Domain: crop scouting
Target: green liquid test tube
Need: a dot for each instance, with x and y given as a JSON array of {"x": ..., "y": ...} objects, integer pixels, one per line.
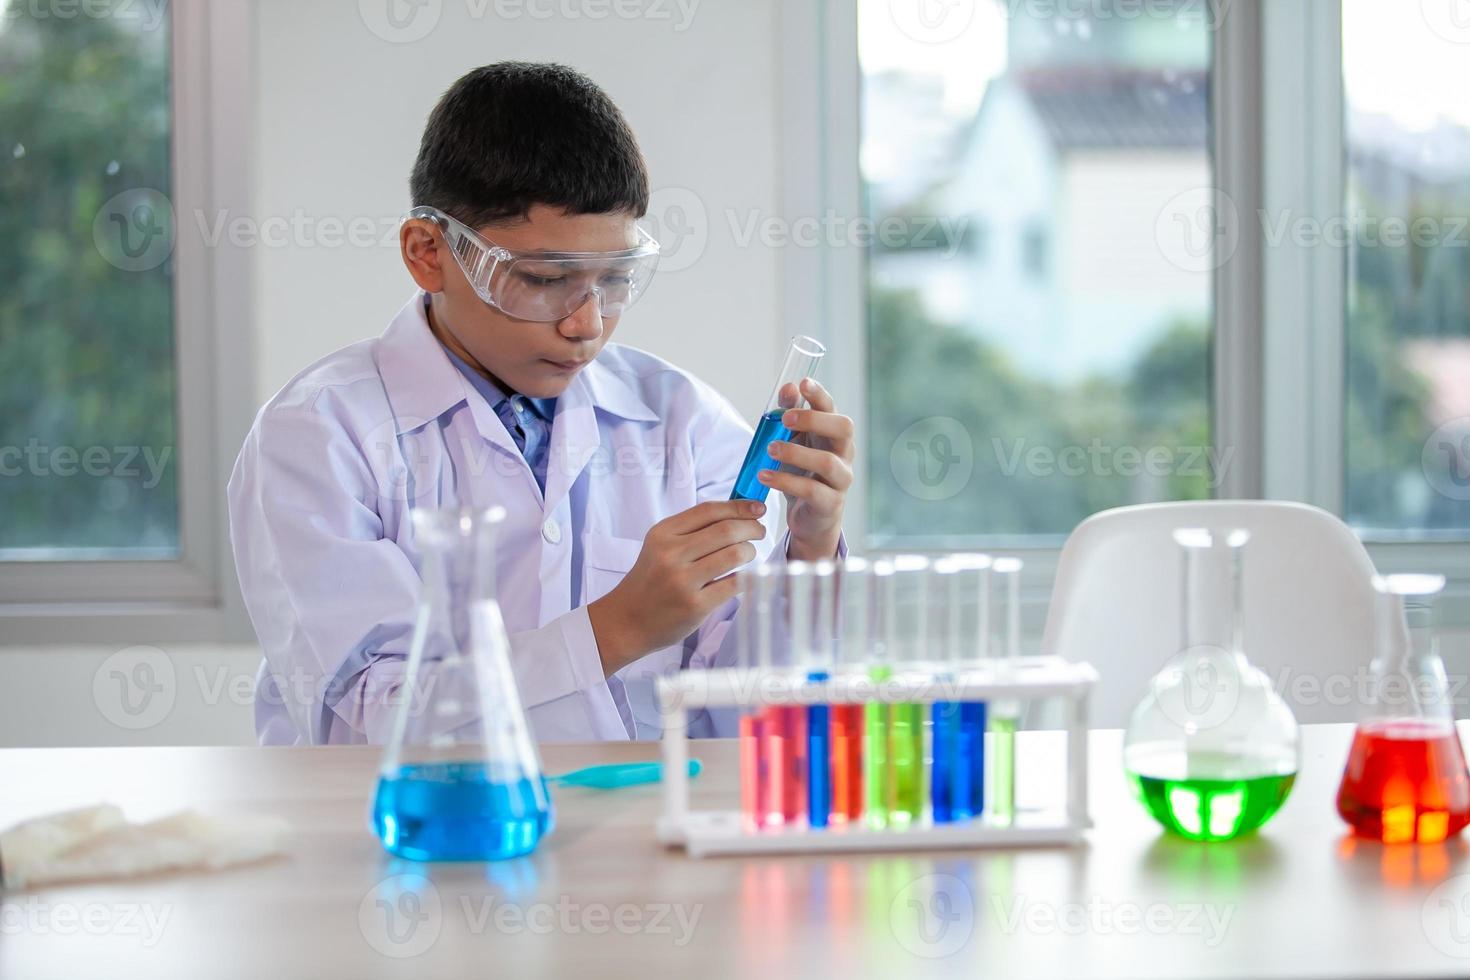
[
  {"x": 907, "y": 764},
  {"x": 906, "y": 631},
  {"x": 875, "y": 755},
  {"x": 1005, "y": 715}
]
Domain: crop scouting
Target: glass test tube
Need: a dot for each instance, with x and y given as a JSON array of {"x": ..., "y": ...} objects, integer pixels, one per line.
[
  {"x": 957, "y": 779},
  {"x": 851, "y": 633},
  {"x": 812, "y": 627},
  {"x": 1005, "y": 715},
  {"x": 876, "y": 714},
  {"x": 908, "y": 635},
  {"x": 785, "y": 724},
  {"x": 754, "y": 623},
  {"x": 802, "y": 358}
]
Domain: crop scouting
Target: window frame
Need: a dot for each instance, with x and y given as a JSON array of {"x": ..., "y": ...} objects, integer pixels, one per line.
[
  {"x": 1273, "y": 338},
  {"x": 194, "y": 596}
]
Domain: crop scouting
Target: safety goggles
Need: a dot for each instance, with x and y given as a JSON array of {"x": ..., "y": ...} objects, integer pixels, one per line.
[{"x": 546, "y": 286}]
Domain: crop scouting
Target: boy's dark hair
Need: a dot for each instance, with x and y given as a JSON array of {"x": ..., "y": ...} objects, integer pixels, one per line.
[{"x": 513, "y": 134}]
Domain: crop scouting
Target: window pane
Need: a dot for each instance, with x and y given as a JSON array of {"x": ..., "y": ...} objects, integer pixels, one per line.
[
  {"x": 87, "y": 465},
  {"x": 1039, "y": 343},
  {"x": 1405, "y": 73}
]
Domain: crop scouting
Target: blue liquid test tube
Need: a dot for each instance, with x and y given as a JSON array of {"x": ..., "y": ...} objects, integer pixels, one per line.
[
  {"x": 802, "y": 358},
  {"x": 811, "y": 627},
  {"x": 958, "y": 778}
]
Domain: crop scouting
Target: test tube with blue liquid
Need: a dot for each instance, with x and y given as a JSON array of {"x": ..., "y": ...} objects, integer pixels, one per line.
[
  {"x": 1005, "y": 715},
  {"x": 957, "y": 781},
  {"x": 811, "y": 624},
  {"x": 802, "y": 358}
]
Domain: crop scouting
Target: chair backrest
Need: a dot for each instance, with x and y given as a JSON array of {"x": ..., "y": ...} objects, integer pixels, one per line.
[{"x": 1307, "y": 599}]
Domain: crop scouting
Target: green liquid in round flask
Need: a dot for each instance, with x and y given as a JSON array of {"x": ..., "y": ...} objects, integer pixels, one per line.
[{"x": 1212, "y": 751}]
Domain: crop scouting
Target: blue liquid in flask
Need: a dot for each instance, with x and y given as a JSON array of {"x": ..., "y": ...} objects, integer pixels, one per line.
[
  {"x": 747, "y": 486},
  {"x": 459, "y": 811}
]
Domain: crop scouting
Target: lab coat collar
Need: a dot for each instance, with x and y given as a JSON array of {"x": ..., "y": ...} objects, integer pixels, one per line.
[{"x": 421, "y": 382}]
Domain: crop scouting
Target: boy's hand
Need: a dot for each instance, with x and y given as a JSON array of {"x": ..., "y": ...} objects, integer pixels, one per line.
[
  {"x": 824, "y": 449},
  {"x": 677, "y": 580}
]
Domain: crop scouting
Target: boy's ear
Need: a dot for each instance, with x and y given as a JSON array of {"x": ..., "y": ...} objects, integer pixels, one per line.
[{"x": 419, "y": 247}]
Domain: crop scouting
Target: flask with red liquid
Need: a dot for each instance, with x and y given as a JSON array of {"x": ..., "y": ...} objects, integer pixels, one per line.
[{"x": 1405, "y": 779}]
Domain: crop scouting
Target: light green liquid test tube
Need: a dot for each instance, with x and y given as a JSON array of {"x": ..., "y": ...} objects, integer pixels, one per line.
[
  {"x": 875, "y": 756},
  {"x": 906, "y": 741},
  {"x": 1005, "y": 715}
]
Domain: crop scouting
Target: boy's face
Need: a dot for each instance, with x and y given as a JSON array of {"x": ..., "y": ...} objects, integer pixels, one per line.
[{"x": 534, "y": 358}]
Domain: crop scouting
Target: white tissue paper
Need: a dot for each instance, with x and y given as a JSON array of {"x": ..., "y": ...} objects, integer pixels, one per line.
[{"x": 97, "y": 842}]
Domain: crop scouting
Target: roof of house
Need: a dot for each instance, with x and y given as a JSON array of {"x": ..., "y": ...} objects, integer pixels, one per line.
[{"x": 1111, "y": 108}]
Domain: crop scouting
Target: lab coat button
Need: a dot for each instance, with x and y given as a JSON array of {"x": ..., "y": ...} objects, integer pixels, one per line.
[{"x": 551, "y": 531}]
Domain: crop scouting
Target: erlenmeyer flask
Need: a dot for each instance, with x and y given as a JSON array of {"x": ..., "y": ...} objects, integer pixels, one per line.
[
  {"x": 1405, "y": 778},
  {"x": 460, "y": 778},
  {"x": 1212, "y": 750}
]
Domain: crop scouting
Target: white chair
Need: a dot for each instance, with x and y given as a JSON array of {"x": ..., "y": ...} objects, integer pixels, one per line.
[{"x": 1307, "y": 598}]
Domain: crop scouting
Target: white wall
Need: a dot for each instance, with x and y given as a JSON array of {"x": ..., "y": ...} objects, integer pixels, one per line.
[
  {"x": 338, "y": 116},
  {"x": 341, "y": 110}
]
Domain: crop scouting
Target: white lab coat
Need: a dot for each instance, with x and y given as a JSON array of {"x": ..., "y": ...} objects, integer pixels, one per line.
[{"x": 319, "y": 507}]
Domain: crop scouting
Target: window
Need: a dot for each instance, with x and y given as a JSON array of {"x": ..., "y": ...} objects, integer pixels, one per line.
[
  {"x": 87, "y": 425},
  {"x": 1407, "y": 386},
  {"x": 125, "y": 381},
  {"x": 1063, "y": 368}
]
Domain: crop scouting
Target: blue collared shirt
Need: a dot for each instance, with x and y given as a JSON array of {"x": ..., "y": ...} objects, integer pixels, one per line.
[{"x": 527, "y": 420}]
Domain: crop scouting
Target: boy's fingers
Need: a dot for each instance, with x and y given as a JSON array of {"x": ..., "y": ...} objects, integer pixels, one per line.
[
  {"x": 703, "y": 515},
  {"x": 829, "y": 425},
  {"x": 815, "y": 492},
  {"x": 724, "y": 561},
  {"x": 818, "y": 397},
  {"x": 829, "y": 466},
  {"x": 709, "y": 540}
]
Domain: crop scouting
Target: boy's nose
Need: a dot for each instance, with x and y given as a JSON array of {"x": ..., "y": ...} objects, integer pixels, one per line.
[{"x": 585, "y": 323}]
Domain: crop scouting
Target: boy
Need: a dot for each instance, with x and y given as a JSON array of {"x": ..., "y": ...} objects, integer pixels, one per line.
[{"x": 498, "y": 389}]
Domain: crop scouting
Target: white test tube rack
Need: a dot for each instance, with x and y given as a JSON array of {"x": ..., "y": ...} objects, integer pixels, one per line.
[{"x": 718, "y": 832}]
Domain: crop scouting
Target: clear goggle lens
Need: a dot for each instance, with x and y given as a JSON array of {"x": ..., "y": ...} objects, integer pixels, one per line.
[{"x": 546, "y": 286}]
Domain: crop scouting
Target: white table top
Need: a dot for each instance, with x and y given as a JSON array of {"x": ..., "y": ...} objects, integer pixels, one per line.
[{"x": 602, "y": 898}]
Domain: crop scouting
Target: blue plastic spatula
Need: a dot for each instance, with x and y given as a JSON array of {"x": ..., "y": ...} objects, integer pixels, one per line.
[{"x": 618, "y": 774}]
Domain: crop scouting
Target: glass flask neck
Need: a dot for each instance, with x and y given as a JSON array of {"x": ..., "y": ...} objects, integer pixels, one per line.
[
  {"x": 1408, "y": 679},
  {"x": 1211, "y": 591}
]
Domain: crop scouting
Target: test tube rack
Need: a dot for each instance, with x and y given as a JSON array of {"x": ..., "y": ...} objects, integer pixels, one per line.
[{"x": 717, "y": 832}]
